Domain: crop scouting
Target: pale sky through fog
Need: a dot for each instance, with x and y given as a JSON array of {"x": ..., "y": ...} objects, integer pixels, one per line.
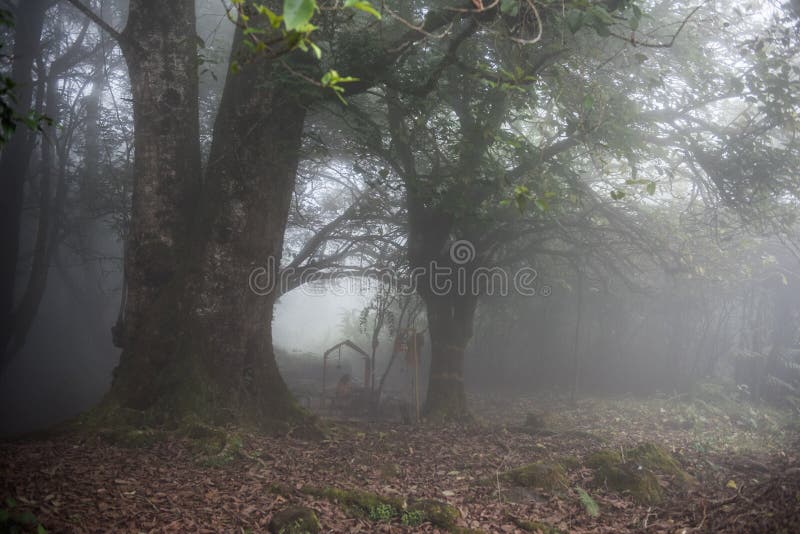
[{"x": 306, "y": 321}]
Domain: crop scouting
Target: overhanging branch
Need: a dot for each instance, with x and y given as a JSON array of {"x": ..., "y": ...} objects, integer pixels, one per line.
[{"x": 94, "y": 17}]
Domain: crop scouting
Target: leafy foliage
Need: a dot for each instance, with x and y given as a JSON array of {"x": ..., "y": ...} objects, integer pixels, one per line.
[
  {"x": 589, "y": 504},
  {"x": 10, "y": 117},
  {"x": 381, "y": 512},
  {"x": 14, "y": 521},
  {"x": 297, "y": 13},
  {"x": 412, "y": 518}
]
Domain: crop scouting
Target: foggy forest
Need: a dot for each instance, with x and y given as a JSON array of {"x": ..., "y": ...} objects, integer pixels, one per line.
[{"x": 458, "y": 266}]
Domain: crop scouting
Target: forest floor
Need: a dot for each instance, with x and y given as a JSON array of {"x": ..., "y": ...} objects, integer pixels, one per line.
[{"x": 729, "y": 466}]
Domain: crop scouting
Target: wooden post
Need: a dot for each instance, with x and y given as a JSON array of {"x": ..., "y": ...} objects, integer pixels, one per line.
[
  {"x": 416, "y": 373},
  {"x": 324, "y": 376},
  {"x": 576, "y": 346}
]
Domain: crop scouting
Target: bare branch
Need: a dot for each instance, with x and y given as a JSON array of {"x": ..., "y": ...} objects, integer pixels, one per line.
[{"x": 110, "y": 30}]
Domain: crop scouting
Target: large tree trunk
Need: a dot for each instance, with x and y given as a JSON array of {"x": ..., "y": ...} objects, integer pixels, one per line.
[
  {"x": 450, "y": 308},
  {"x": 197, "y": 336},
  {"x": 450, "y": 300},
  {"x": 450, "y": 320},
  {"x": 204, "y": 347},
  {"x": 160, "y": 48},
  {"x": 16, "y": 157},
  {"x": 248, "y": 189}
]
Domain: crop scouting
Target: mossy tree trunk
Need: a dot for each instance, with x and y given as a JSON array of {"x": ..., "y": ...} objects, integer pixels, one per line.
[
  {"x": 450, "y": 303},
  {"x": 248, "y": 189},
  {"x": 197, "y": 338},
  {"x": 450, "y": 321},
  {"x": 160, "y": 48},
  {"x": 444, "y": 274},
  {"x": 200, "y": 341}
]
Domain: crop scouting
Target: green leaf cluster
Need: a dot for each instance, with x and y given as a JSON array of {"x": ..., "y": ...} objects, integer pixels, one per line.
[
  {"x": 589, "y": 504},
  {"x": 13, "y": 520},
  {"x": 333, "y": 80}
]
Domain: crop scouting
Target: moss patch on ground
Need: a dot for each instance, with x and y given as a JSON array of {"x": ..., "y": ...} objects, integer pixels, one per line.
[
  {"x": 537, "y": 527},
  {"x": 539, "y": 475},
  {"x": 360, "y": 503},
  {"x": 130, "y": 437},
  {"x": 635, "y": 471},
  {"x": 214, "y": 447},
  {"x": 205, "y": 439},
  {"x": 380, "y": 508},
  {"x": 656, "y": 459},
  {"x": 569, "y": 462},
  {"x": 119, "y": 426},
  {"x": 295, "y": 520},
  {"x": 437, "y": 513}
]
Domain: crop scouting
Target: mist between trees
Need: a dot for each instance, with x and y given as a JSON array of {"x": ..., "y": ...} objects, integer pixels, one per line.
[
  {"x": 441, "y": 280},
  {"x": 577, "y": 198},
  {"x": 636, "y": 164}
]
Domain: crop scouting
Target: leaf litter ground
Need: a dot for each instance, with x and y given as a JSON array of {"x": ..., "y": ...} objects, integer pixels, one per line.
[{"x": 741, "y": 459}]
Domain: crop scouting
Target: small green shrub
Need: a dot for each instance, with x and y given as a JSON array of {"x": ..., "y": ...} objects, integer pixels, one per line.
[
  {"x": 13, "y": 520},
  {"x": 412, "y": 518},
  {"x": 589, "y": 504},
  {"x": 381, "y": 512}
]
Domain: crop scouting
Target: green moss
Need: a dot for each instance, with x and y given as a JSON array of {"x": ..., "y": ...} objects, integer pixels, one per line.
[
  {"x": 214, "y": 447},
  {"x": 569, "y": 462},
  {"x": 376, "y": 507},
  {"x": 359, "y": 503},
  {"x": 229, "y": 453},
  {"x": 537, "y": 527},
  {"x": 120, "y": 425},
  {"x": 537, "y": 475},
  {"x": 641, "y": 485},
  {"x": 603, "y": 459},
  {"x": 134, "y": 438},
  {"x": 637, "y": 474},
  {"x": 656, "y": 459},
  {"x": 295, "y": 520},
  {"x": 439, "y": 514},
  {"x": 205, "y": 439}
]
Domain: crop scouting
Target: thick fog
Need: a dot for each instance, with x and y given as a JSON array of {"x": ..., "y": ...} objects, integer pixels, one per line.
[
  {"x": 401, "y": 266},
  {"x": 648, "y": 314}
]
